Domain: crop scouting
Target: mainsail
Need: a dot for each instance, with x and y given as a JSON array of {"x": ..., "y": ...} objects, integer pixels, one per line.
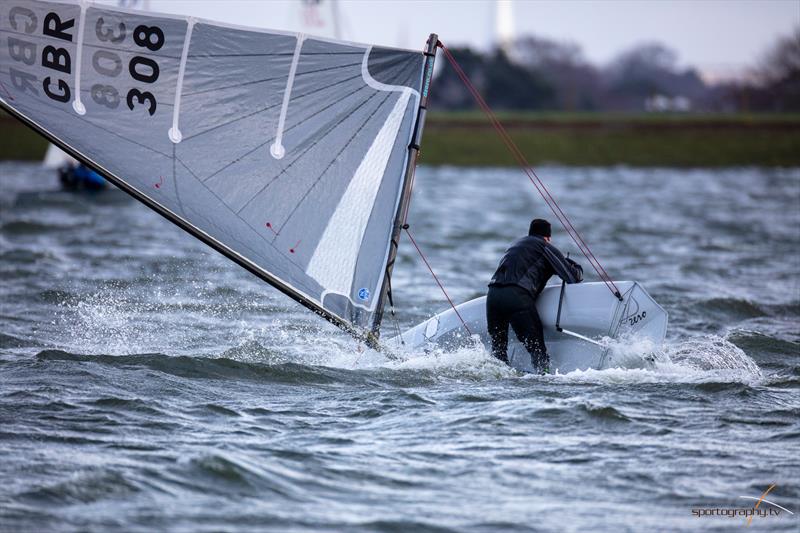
[
  {"x": 290, "y": 154},
  {"x": 54, "y": 157}
]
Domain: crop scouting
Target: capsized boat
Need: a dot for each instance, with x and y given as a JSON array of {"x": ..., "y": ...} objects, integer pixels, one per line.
[{"x": 291, "y": 155}]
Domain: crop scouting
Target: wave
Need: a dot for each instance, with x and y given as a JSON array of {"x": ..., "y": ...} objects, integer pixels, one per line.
[
  {"x": 74, "y": 200},
  {"x": 736, "y": 308},
  {"x": 603, "y": 413},
  {"x": 702, "y": 361},
  {"x": 726, "y": 309},
  {"x": 24, "y": 256},
  {"x": 22, "y": 227},
  {"x": 208, "y": 367},
  {"x": 293, "y": 351},
  {"x": 770, "y": 349},
  {"x": 10, "y": 341},
  {"x": 85, "y": 488},
  {"x": 254, "y": 362}
]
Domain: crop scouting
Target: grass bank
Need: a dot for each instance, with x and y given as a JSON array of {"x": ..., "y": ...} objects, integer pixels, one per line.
[
  {"x": 576, "y": 139},
  {"x": 19, "y": 142},
  {"x": 611, "y": 139}
]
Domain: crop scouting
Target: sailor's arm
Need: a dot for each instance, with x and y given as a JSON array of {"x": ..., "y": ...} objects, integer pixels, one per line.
[{"x": 566, "y": 268}]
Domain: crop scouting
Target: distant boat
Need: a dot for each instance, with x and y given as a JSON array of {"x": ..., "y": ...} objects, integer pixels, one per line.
[
  {"x": 56, "y": 158},
  {"x": 291, "y": 155}
]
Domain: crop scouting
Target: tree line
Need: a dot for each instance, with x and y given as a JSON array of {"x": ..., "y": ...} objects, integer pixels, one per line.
[{"x": 538, "y": 74}]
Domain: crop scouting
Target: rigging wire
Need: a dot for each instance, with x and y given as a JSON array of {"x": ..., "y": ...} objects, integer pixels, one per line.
[
  {"x": 390, "y": 297},
  {"x": 532, "y": 176},
  {"x": 435, "y": 277}
]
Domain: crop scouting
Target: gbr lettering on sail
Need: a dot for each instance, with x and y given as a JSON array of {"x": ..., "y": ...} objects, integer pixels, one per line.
[{"x": 58, "y": 64}]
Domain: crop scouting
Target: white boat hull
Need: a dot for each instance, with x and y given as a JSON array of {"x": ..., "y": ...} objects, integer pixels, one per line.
[{"x": 588, "y": 309}]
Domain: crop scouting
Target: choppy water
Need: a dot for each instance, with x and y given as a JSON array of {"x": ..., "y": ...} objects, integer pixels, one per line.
[{"x": 147, "y": 384}]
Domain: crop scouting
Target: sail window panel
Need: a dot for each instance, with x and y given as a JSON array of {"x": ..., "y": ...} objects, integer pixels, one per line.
[
  {"x": 129, "y": 76},
  {"x": 375, "y": 242},
  {"x": 234, "y": 82}
]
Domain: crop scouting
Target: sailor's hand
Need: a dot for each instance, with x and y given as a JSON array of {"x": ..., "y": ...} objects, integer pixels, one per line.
[{"x": 578, "y": 270}]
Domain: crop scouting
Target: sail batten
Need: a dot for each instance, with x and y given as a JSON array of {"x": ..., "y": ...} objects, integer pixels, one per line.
[
  {"x": 288, "y": 156},
  {"x": 277, "y": 150},
  {"x": 77, "y": 105},
  {"x": 175, "y": 134}
]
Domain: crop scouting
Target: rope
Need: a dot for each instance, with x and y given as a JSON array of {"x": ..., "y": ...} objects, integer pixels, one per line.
[
  {"x": 532, "y": 176},
  {"x": 435, "y": 277}
]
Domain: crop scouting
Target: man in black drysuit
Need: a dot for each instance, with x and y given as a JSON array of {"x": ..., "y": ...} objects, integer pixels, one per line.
[{"x": 520, "y": 277}]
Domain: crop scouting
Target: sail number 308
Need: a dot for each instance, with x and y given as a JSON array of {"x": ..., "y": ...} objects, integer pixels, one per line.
[{"x": 142, "y": 69}]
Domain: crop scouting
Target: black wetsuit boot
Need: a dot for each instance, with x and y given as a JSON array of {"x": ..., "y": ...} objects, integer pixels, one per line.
[{"x": 511, "y": 305}]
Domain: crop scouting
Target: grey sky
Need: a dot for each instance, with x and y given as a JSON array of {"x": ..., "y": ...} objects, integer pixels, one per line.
[{"x": 721, "y": 37}]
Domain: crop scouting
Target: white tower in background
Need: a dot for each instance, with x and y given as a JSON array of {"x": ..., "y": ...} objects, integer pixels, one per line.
[
  {"x": 320, "y": 17},
  {"x": 504, "y": 25}
]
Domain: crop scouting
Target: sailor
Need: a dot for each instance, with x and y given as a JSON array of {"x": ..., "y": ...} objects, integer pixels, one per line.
[
  {"x": 520, "y": 277},
  {"x": 80, "y": 177}
]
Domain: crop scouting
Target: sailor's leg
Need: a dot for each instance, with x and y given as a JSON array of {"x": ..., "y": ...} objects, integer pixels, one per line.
[
  {"x": 497, "y": 325},
  {"x": 528, "y": 328}
]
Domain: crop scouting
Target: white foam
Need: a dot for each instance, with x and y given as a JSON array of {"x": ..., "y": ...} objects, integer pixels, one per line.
[
  {"x": 117, "y": 320},
  {"x": 695, "y": 360}
]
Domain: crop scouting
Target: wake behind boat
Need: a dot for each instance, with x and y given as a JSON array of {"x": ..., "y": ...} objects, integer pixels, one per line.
[{"x": 292, "y": 155}]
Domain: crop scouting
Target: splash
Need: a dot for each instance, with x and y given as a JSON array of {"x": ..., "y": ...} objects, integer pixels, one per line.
[
  {"x": 473, "y": 362},
  {"x": 630, "y": 352},
  {"x": 117, "y": 320},
  {"x": 695, "y": 360},
  {"x": 106, "y": 322},
  {"x": 712, "y": 353},
  {"x": 122, "y": 317},
  {"x": 630, "y": 360}
]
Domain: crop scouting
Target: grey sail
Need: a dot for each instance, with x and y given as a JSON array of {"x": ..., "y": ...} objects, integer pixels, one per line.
[{"x": 287, "y": 153}]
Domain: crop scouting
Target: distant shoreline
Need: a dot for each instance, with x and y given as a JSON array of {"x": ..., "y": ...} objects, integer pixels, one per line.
[
  {"x": 571, "y": 139},
  {"x": 601, "y": 139}
]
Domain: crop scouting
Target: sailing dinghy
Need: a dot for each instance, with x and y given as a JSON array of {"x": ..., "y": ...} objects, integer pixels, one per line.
[{"x": 292, "y": 155}]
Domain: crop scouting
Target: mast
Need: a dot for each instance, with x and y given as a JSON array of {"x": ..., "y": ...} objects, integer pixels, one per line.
[{"x": 408, "y": 182}]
